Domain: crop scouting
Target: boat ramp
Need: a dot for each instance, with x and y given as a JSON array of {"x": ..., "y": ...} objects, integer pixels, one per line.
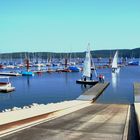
[
  {"x": 97, "y": 121},
  {"x": 79, "y": 120}
]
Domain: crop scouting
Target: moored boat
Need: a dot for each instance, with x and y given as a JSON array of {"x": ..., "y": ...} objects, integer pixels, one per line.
[
  {"x": 28, "y": 72},
  {"x": 6, "y": 86},
  {"x": 134, "y": 63},
  {"x": 74, "y": 68}
]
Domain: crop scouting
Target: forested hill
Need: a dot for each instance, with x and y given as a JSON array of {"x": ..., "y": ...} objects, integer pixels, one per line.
[
  {"x": 122, "y": 53},
  {"x": 129, "y": 53}
]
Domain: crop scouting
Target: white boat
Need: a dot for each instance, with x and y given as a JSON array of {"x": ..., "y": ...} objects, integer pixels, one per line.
[
  {"x": 10, "y": 66},
  {"x": 6, "y": 86},
  {"x": 39, "y": 65},
  {"x": 115, "y": 68},
  {"x": 87, "y": 75}
]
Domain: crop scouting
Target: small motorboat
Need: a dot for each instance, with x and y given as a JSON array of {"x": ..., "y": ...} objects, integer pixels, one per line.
[
  {"x": 134, "y": 63},
  {"x": 6, "y": 86}
]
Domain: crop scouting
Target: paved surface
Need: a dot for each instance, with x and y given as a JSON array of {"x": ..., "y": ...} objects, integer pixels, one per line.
[
  {"x": 93, "y": 92},
  {"x": 98, "y": 121}
]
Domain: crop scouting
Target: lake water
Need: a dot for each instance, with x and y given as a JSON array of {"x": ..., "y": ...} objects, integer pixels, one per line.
[
  {"x": 120, "y": 89},
  {"x": 56, "y": 87}
]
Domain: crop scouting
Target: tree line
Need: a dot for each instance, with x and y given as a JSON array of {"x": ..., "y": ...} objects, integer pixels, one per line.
[{"x": 129, "y": 53}]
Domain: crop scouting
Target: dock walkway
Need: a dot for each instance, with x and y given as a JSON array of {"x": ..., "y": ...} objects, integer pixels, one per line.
[
  {"x": 10, "y": 74},
  {"x": 92, "y": 93},
  {"x": 137, "y": 102},
  {"x": 97, "y": 121}
]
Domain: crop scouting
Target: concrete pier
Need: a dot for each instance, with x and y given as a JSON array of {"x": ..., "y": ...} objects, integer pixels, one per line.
[
  {"x": 94, "y": 92},
  {"x": 137, "y": 102},
  {"x": 97, "y": 121}
]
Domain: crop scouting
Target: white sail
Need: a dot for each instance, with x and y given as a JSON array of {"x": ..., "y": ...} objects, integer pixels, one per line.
[
  {"x": 93, "y": 66},
  {"x": 115, "y": 61},
  {"x": 87, "y": 65}
]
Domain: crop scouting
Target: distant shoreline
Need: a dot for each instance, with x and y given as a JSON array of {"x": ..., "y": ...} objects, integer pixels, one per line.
[{"x": 129, "y": 53}]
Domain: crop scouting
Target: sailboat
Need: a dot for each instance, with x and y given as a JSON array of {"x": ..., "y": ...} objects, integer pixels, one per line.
[
  {"x": 115, "y": 67},
  {"x": 87, "y": 75}
]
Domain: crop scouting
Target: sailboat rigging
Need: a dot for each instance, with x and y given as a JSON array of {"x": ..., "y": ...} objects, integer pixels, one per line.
[
  {"x": 27, "y": 72},
  {"x": 87, "y": 74}
]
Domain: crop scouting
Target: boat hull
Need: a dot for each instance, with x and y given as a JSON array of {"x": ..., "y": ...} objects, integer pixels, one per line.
[
  {"x": 115, "y": 70},
  {"x": 6, "y": 87},
  {"x": 26, "y": 73},
  {"x": 9, "y": 89},
  {"x": 74, "y": 69},
  {"x": 88, "y": 82}
]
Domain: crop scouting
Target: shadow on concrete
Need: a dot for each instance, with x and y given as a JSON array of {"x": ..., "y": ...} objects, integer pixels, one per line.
[{"x": 133, "y": 126}]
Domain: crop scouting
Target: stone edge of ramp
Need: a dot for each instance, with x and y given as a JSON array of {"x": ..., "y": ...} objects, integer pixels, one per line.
[{"x": 137, "y": 103}]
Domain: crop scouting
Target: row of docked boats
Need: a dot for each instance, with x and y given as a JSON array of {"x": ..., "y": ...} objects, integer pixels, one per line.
[{"x": 86, "y": 78}]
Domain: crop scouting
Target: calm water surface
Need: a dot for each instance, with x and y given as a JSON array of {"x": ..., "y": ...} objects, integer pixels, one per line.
[
  {"x": 56, "y": 87},
  {"x": 120, "y": 89}
]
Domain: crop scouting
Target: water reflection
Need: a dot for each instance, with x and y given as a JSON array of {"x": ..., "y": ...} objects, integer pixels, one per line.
[
  {"x": 5, "y": 96},
  {"x": 28, "y": 81},
  {"x": 114, "y": 80},
  {"x": 85, "y": 87},
  {"x": 66, "y": 77}
]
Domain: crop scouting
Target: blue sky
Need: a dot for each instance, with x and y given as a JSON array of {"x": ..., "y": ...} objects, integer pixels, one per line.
[{"x": 68, "y": 25}]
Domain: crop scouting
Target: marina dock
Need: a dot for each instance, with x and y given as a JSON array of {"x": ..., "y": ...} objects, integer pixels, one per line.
[
  {"x": 92, "y": 93},
  {"x": 137, "y": 103},
  {"x": 10, "y": 74}
]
